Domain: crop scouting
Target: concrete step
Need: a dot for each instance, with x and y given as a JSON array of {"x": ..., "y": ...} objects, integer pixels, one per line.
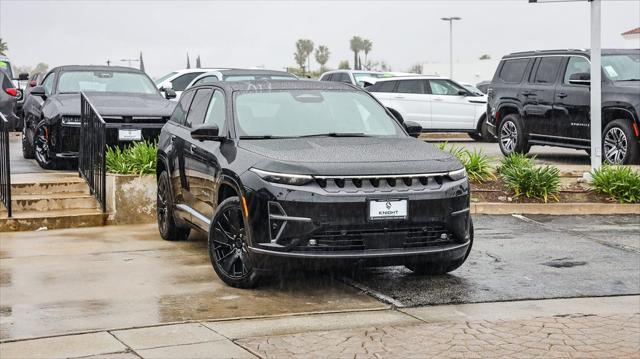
[
  {"x": 54, "y": 201},
  {"x": 47, "y": 183},
  {"x": 53, "y": 219}
]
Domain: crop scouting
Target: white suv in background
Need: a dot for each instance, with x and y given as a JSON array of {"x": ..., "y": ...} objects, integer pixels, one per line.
[
  {"x": 362, "y": 78},
  {"x": 438, "y": 104},
  {"x": 179, "y": 79}
]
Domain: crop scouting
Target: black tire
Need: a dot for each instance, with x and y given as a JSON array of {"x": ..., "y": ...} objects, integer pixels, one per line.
[
  {"x": 28, "y": 151},
  {"x": 167, "y": 226},
  {"x": 440, "y": 268},
  {"x": 484, "y": 131},
  {"x": 619, "y": 144},
  {"x": 41, "y": 148},
  {"x": 476, "y": 136},
  {"x": 228, "y": 246},
  {"x": 511, "y": 136}
]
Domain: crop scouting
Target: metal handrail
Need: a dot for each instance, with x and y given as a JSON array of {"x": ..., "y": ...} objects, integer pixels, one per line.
[
  {"x": 5, "y": 167},
  {"x": 92, "y": 150}
]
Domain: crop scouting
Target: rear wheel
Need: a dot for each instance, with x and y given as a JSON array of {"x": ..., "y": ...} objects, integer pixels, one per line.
[
  {"x": 228, "y": 246},
  {"x": 442, "y": 267},
  {"x": 619, "y": 146},
  {"x": 164, "y": 206},
  {"x": 511, "y": 136},
  {"x": 28, "y": 151}
]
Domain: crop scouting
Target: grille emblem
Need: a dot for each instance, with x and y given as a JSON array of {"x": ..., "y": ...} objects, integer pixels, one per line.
[{"x": 388, "y": 205}]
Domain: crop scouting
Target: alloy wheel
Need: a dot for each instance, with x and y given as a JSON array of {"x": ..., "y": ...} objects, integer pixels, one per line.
[
  {"x": 42, "y": 147},
  {"x": 615, "y": 145},
  {"x": 162, "y": 205},
  {"x": 509, "y": 136},
  {"x": 228, "y": 245}
]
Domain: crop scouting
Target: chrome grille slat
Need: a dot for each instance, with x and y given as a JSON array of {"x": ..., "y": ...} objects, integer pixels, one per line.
[{"x": 399, "y": 183}]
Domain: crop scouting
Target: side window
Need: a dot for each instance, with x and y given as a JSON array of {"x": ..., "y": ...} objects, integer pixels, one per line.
[
  {"x": 384, "y": 86},
  {"x": 410, "y": 86},
  {"x": 341, "y": 77},
  {"x": 444, "y": 87},
  {"x": 513, "y": 70},
  {"x": 576, "y": 65},
  {"x": 547, "y": 70},
  {"x": 326, "y": 77},
  {"x": 180, "y": 113},
  {"x": 180, "y": 83},
  {"x": 48, "y": 83},
  {"x": 206, "y": 80},
  {"x": 216, "y": 111},
  {"x": 198, "y": 108}
]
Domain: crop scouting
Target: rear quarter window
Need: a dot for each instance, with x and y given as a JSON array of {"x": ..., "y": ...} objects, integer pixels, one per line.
[{"x": 513, "y": 70}]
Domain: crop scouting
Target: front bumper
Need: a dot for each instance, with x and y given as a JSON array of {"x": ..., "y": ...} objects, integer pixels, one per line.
[{"x": 309, "y": 224}]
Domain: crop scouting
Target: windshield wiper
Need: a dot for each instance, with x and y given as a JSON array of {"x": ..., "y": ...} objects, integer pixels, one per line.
[
  {"x": 262, "y": 137},
  {"x": 338, "y": 134}
]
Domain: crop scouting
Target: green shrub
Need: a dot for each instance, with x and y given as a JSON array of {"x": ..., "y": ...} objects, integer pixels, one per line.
[
  {"x": 618, "y": 182},
  {"x": 137, "y": 159},
  {"x": 524, "y": 179},
  {"x": 475, "y": 162}
]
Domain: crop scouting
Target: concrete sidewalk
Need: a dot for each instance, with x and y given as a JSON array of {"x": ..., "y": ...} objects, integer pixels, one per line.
[{"x": 585, "y": 327}]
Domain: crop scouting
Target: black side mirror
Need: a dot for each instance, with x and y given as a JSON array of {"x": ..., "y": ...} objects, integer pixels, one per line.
[
  {"x": 206, "y": 133},
  {"x": 414, "y": 129},
  {"x": 39, "y": 91},
  {"x": 580, "y": 78},
  {"x": 463, "y": 93},
  {"x": 169, "y": 94},
  {"x": 23, "y": 76}
]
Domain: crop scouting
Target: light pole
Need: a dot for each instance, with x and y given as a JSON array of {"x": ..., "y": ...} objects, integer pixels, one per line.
[
  {"x": 451, "y": 20},
  {"x": 130, "y": 61}
]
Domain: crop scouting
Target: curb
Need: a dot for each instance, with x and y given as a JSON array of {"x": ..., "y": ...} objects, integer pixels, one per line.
[{"x": 556, "y": 209}]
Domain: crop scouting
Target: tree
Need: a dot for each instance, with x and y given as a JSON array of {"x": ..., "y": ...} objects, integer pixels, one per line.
[
  {"x": 485, "y": 57},
  {"x": 366, "y": 48},
  {"x": 415, "y": 68},
  {"x": 344, "y": 65},
  {"x": 322, "y": 56},
  {"x": 188, "y": 63},
  {"x": 41, "y": 67},
  {"x": 356, "y": 46},
  {"x": 141, "y": 62},
  {"x": 300, "y": 55},
  {"x": 307, "y": 46},
  {"x": 3, "y": 47},
  {"x": 198, "y": 65}
]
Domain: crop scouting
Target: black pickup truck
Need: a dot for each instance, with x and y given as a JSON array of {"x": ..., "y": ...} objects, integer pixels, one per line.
[{"x": 543, "y": 98}]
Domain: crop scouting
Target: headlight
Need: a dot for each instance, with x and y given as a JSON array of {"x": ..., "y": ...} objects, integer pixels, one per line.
[
  {"x": 458, "y": 174},
  {"x": 283, "y": 178}
]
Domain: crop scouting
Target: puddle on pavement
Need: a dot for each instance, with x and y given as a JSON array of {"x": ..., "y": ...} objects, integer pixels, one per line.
[{"x": 57, "y": 282}]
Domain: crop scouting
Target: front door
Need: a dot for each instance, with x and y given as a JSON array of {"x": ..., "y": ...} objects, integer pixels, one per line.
[
  {"x": 450, "y": 110},
  {"x": 572, "y": 102},
  {"x": 538, "y": 96}
]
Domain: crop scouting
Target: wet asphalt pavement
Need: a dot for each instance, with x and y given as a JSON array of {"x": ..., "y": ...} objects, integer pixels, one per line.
[{"x": 531, "y": 257}]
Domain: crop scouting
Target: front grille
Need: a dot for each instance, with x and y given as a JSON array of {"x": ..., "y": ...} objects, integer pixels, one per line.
[
  {"x": 378, "y": 238},
  {"x": 380, "y": 184},
  {"x": 135, "y": 119}
]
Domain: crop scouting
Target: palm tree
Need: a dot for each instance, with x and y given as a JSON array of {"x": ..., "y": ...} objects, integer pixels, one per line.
[
  {"x": 308, "y": 50},
  {"x": 3, "y": 47},
  {"x": 366, "y": 48},
  {"x": 356, "y": 45},
  {"x": 300, "y": 55},
  {"x": 188, "y": 63},
  {"x": 322, "y": 56}
]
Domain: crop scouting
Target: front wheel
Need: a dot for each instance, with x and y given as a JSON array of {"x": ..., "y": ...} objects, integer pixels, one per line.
[
  {"x": 229, "y": 246},
  {"x": 619, "y": 146},
  {"x": 28, "y": 151},
  {"x": 442, "y": 267},
  {"x": 41, "y": 147}
]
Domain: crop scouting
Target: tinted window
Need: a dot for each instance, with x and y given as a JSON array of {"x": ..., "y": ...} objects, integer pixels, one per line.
[
  {"x": 206, "y": 80},
  {"x": 181, "y": 82},
  {"x": 445, "y": 87},
  {"x": 547, "y": 70},
  {"x": 513, "y": 70},
  {"x": 576, "y": 65},
  {"x": 410, "y": 86},
  {"x": 326, "y": 77},
  {"x": 48, "y": 83},
  {"x": 180, "y": 112},
  {"x": 198, "y": 108},
  {"x": 384, "y": 86},
  {"x": 341, "y": 77},
  {"x": 216, "y": 111}
]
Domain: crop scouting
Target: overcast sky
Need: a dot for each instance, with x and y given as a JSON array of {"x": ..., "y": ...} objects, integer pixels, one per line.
[{"x": 262, "y": 33}]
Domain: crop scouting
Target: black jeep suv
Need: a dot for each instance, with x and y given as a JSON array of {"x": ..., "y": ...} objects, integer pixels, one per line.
[
  {"x": 126, "y": 98},
  {"x": 542, "y": 98},
  {"x": 288, "y": 173}
]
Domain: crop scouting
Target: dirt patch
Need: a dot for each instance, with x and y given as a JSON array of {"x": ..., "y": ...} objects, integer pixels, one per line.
[{"x": 496, "y": 191}]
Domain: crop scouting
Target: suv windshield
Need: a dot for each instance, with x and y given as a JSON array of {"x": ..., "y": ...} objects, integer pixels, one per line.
[
  {"x": 298, "y": 113},
  {"x": 622, "y": 67},
  {"x": 105, "y": 81}
]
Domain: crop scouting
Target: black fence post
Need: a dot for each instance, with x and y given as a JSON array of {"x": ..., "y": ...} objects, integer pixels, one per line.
[
  {"x": 92, "y": 150},
  {"x": 5, "y": 166}
]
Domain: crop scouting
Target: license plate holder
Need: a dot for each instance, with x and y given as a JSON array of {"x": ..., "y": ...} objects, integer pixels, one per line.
[
  {"x": 129, "y": 134},
  {"x": 388, "y": 209}
]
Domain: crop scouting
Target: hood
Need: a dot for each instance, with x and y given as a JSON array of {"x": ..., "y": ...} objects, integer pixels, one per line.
[
  {"x": 349, "y": 156},
  {"x": 117, "y": 104}
]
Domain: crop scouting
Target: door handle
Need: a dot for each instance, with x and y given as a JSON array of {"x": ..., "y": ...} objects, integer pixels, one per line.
[
  {"x": 562, "y": 95},
  {"x": 192, "y": 148},
  {"x": 528, "y": 93},
  {"x": 437, "y": 99},
  {"x": 398, "y": 96},
  {"x": 173, "y": 138}
]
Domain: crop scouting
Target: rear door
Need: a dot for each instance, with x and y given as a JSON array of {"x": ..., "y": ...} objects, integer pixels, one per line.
[
  {"x": 411, "y": 100},
  {"x": 538, "y": 96},
  {"x": 383, "y": 91},
  {"x": 572, "y": 102},
  {"x": 450, "y": 109}
]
